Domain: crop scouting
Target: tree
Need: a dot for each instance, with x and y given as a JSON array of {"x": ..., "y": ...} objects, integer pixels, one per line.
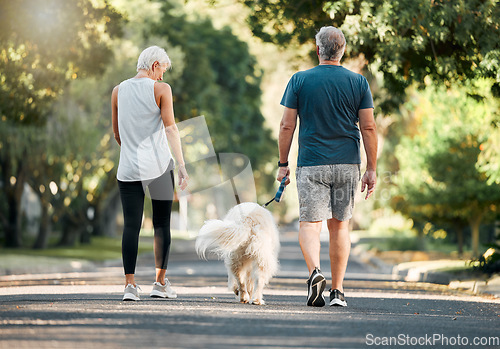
[
  {"x": 220, "y": 80},
  {"x": 43, "y": 45},
  {"x": 439, "y": 179},
  {"x": 489, "y": 159},
  {"x": 406, "y": 40},
  {"x": 70, "y": 171}
]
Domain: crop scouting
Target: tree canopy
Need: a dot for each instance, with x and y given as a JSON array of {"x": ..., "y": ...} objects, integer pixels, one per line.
[
  {"x": 43, "y": 44},
  {"x": 406, "y": 40},
  {"x": 439, "y": 180}
]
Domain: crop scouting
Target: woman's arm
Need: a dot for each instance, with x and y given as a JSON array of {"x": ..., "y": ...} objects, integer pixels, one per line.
[
  {"x": 114, "y": 114},
  {"x": 173, "y": 137}
]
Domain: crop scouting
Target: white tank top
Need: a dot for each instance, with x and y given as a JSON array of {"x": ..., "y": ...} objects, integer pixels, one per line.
[{"x": 144, "y": 152}]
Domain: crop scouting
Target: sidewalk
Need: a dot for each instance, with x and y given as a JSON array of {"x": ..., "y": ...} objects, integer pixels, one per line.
[{"x": 441, "y": 271}]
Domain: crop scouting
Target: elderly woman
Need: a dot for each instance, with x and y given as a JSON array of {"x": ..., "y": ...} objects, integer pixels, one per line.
[{"x": 143, "y": 122}]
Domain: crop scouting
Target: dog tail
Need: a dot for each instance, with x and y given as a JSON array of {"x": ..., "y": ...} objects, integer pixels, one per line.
[{"x": 220, "y": 237}]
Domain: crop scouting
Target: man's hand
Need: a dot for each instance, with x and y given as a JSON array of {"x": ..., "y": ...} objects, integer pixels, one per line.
[
  {"x": 369, "y": 180},
  {"x": 282, "y": 172},
  {"x": 183, "y": 177}
]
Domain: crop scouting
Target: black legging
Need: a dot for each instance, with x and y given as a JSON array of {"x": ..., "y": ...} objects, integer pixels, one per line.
[{"x": 132, "y": 197}]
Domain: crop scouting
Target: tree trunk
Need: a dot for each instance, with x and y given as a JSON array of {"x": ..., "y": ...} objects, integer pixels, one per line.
[
  {"x": 70, "y": 234},
  {"x": 44, "y": 229},
  {"x": 420, "y": 240},
  {"x": 14, "y": 194},
  {"x": 460, "y": 240},
  {"x": 475, "y": 223},
  {"x": 13, "y": 228},
  {"x": 104, "y": 222},
  {"x": 86, "y": 234}
]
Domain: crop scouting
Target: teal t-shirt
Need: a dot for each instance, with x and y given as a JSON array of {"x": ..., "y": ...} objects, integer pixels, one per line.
[{"x": 328, "y": 98}]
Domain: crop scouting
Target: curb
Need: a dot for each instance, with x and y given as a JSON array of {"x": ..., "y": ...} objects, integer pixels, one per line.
[
  {"x": 434, "y": 272},
  {"x": 489, "y": 287}
]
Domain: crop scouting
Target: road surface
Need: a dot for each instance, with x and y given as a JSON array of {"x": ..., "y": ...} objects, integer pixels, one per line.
[{"x": 84, "y": 310}]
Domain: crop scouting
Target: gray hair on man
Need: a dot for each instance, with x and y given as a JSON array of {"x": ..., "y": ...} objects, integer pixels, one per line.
[
  {"x": 331, "y": 43},
  {"x": 151, "y": 55}
]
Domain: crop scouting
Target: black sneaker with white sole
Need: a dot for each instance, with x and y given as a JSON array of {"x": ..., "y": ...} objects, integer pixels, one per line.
[
  {"x": 337, "y": 298},
  {"x": 315, "y": 287}
]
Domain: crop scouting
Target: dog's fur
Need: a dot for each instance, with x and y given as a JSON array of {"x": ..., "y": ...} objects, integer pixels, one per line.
[{"x": 248, "y": 241}]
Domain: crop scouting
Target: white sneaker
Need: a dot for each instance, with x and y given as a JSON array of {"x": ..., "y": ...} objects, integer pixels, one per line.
[
  {"x": 131, "y": 293},
  {"x": 163, "y": 291}
]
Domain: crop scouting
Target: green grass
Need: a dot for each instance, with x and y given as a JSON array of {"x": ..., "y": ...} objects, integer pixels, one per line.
[
  {"x": 402, "y": 241},
  {"x": 100, "y": 249}
]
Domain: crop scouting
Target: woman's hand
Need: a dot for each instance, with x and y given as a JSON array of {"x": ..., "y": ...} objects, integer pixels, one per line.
[{"x": 183, "y": 177}]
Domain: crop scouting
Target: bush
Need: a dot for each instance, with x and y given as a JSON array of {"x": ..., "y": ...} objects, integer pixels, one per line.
[{"x": 489, "y": 262}]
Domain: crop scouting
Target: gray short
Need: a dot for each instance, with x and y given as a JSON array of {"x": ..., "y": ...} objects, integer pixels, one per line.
[{"x": 327, "y": 191}]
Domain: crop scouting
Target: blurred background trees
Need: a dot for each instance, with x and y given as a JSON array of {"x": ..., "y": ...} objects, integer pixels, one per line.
[
  {"x": 43, "y": 46},
  {"x": 406, "y": 41},
  {"x": 439, "y": 180},
  {"x": 433, "y": 67},
  {"x": 56, "y": 141}
]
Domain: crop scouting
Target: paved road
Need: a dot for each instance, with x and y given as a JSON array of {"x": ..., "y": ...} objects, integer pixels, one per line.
[{"x": 82, "y": 310}]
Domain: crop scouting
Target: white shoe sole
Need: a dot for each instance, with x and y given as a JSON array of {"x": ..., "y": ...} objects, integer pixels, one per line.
[
  {"x": 338, "y": 302},
  {"x": 159, "y": 294},
  {"x": 130, "y": 297}
]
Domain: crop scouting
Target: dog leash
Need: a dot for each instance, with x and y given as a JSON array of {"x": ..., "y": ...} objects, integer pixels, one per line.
[{"x": 279, "y": 193}]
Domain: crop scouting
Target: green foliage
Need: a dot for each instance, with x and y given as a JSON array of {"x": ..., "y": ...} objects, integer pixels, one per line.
[
  {"x": 439, "y": 180},
  {"x": 56, "y": 135},
  {"x": 489, "y": 262},
  {"x": 406, "y": 40},
  {"x": 45, "y": 44},
  {"x": 401, "y": 244},
  {"x": 489, "y": 159}
]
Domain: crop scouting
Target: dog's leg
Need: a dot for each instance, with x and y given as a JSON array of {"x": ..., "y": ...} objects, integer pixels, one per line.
[
  {"x": 237, "y": 271},
  {"x": 261, "y": 282},
  {"x": 244, "y": 296},
  {"x": 249, "y": 279},
  {"x": 231, "y": 281}
]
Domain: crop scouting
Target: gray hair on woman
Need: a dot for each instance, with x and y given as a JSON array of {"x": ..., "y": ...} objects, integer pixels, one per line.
[
  {"x": 331, "y": 43},
  {"x": 150, "y": 55}
]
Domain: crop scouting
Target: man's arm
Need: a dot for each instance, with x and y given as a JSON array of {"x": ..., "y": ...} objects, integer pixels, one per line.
[
  {"x": 287, "y": 128},
  {"x": 114, "y": 114},
  {"x": 368, "y": 129}
]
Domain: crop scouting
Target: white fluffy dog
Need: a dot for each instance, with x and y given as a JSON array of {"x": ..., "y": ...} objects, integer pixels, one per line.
[{"x": 248, "y": 241}]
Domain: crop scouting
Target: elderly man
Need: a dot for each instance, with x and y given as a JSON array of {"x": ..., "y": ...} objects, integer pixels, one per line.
[{"x": 330, "y": 101}]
